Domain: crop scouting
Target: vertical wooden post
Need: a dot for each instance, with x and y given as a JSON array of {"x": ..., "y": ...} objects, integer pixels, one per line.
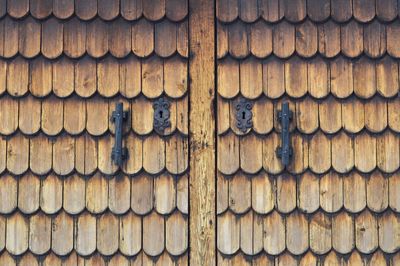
[{"x": 202, "y": 132}]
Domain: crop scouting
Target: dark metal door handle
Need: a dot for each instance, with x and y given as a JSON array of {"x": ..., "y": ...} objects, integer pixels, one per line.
[
  {"x": 285, "y": 152},
  {"x": 119, "y": 153}
]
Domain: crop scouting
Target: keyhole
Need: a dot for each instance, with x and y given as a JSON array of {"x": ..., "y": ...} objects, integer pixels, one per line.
[
  {"x": 243, "y": 115},
  {"x": 160, "y": 113}
]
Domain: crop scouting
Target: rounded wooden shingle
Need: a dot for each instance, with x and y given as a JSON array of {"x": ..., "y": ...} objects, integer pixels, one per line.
[
  {"x": 142, "y": 194},
  {"x": 97, "y": 193},
  {"x": 375, "y": 39},
  {"x": 342, "y": 153},
  {"x": 97, "y": 119},
  {"x": 284, "y": 39},
  {"x": 177, "y": 238},
  {"x": 164, "y": 194},
  {"x": 165, "y": 38},
  {"x": 250, "y": 154},
  {"x": 39, "y": 233},
  {"x": 228, "y": 233},
  {"x": 119, "y": 194},
  {"x": 130, "y": 234},
  {"x": 29, "y": 115},
  {"x": 153, "y": 154},
  {"x": 18, "y": 154},
  {"x": 97, "y": 38},
  {"x": 330, "y": 115},
  {"x": 86, "y": 10},
  {"x": 108, "y": 77},
  {"x": 331, "y": 192},
  {"x": 297, "y": 232},
  {"x": 153, "y": 234},
  {"x": 228, "y": 155},
  {"x": 286, "y": 189},
  {"x": 85, "y": 234},
  {"x": 17, "y": 8},
  {"x": 343, "y": 232},
  {"x": 341, "y": 10},
  {"x": 108, "y": 9},
  {"x": 318, "y": 10},
  {"x": 320, "y": 233},
  {"x": 353, "y": 116},
  {"x": 63, "y": 77},
  {"x": 152, "y": 77},
  {"x": 294, "y": 10},
  {"x": 365, "y": 152},
  {"x": 75, "y": 36},
  {"x": 52, "y": 116},
  {"x": 177, "y": 153},
  {"x": 17, "y": 76},
  {"x": 366, "y": 232},
  {"x": 227, "y": 10},
  {"x": 262, "y": 193},
  {"x": 64, "y": 155},
  {"x": 63, "y": 9},
  {"x": 251, "y": 78},
  {"x": 11, "y": 34},
  {"x": 364, "y": 10},
  {"x": 251, "y": 233},
  {"x": 354, "y": 192},
  {"x": 119, "y": 38},
  {"x": 85, "y": 154},
  {"x": 62, "y": 234},
  {"x": 29, "y": 37},
  {"x": 238, "y": 40},
  {"x": 260, "y": 39},
  {"x": 308, "y": 192},
  {"x": 154, "y": 9},
  {"x": 51, "y": 194},
  {"x": 386, "y": 10},
  {"x": 296, "y": 78},
  {"x": 351, "y": 36},
  {"x": 52, "y": 38},
  {"x": 74, "y": 194},
  {"x": 306, "y": 39},
  {"x": 318, "y": 78},
  {"x": 387, "y": 77},
  {"x": 17, "y": 236},
  {"x": 328, "y": 38},
  {"x": 175, "y": 77},
  {"x": 8, "y": 115},
  {"x": 131, "y": 9},
  {"x": 388, "y": 154},
  {"x": 85, "y": 77},
  {"x": 228, "y": 78},
  {"x": 41, "y": 154},
  {"x": 377, "y": 192},
  {"x": 248, "y": 11},
  {"x": 389, "y": 232},
  {"x": 74, "y": 115},
  {"x": 341, "y": 73},
  {"x": 9, "y": 194},
  {"x": 239, "y": 193},
  {"x": 107, "y": 234}
]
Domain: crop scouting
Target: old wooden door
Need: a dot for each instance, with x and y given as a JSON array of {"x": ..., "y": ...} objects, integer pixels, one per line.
[
  {"x": 205, "y": 190},
  {"x": 336, "y": 63},
  {"x": 63, "y": 66}
]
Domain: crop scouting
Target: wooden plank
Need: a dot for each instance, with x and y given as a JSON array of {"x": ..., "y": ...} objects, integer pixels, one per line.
[{"x": 202, "y": 128}]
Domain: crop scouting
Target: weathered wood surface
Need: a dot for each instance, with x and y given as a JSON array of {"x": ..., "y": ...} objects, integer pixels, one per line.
[{"x": 202, "y": 176}]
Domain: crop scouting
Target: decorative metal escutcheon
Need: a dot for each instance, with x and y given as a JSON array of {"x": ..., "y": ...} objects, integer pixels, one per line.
[
  {"x": 162, "y": 115},
  {"x": 285, "y": 152},
  {"x": 119, "y": 153},
  {"x": 244, "y": 115}
]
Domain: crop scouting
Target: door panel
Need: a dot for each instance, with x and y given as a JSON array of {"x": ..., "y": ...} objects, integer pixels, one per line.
[
  {"x": 334, "y": 195},
  {"x": 61, "y": 194}
]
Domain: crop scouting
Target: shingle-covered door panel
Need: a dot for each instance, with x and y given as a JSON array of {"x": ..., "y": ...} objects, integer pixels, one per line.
[
  {"x": 336, "y": 64},
  {"x": 64, "y": 66}
]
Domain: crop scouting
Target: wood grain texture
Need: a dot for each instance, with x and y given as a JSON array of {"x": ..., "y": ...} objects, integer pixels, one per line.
[{"x": 202, "y": 125}]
